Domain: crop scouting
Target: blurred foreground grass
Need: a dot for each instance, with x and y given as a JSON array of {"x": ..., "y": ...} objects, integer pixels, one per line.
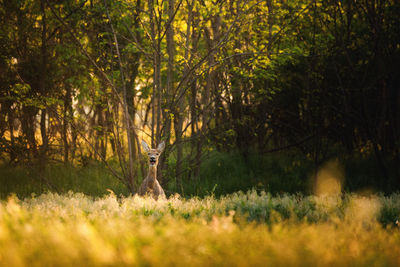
[{"x": 241, "y": 229}]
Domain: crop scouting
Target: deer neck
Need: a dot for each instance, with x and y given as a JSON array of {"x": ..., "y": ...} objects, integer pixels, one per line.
[{"x": 152, "y": 173}]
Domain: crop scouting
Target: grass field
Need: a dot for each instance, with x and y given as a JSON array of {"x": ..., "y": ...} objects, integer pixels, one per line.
[
  {"x": 241, "y": 229},
  {"x": 220, "y": 174}
]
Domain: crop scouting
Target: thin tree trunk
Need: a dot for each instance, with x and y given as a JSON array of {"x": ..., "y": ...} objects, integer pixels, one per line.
[
  {"x": 128, "y": 126},
  {"x": 43, "y": 133},
  {"x": 42, "y": 83},
  {"x": 29, "y": 128},
  {"x": 168, "y": 96},
  {"x": 12, "y": 139},
  {"x": 178, "y": 114},
  {"x": 170, "y": 85},
  {"x": 155, "y": 70},
  {"x": 67, "y": 108}
]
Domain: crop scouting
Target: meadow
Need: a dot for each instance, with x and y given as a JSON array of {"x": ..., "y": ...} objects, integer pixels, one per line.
[
  {"x": 239, "y": 229},
  {"x": 280, "y": 119}
]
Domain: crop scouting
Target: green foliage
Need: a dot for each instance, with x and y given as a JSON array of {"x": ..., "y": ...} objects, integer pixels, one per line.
[{"x": 239, "y": 76}]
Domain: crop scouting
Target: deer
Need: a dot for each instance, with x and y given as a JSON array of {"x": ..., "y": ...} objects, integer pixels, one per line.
[{"x": 150, "y": 186}]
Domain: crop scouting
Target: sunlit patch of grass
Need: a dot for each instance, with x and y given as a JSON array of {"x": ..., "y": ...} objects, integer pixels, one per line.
[{"x": 241, "y": 229}]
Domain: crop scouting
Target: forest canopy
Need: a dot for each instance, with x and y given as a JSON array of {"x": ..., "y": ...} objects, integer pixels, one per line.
[{"x": 86, "y": 80}]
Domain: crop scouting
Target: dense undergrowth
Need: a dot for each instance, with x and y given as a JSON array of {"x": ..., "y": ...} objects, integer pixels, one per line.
[
  {"x": 240, "y": 229},
  {"x": 220, "y": 174}
]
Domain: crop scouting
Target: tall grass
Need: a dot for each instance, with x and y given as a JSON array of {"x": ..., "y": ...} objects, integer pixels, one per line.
[
  {"x": 289, "y": 172},
  {"x": 220, "y": 174},
  {"x": 241, "y": 229},
  {"x": 224, "y": 173},
  {"x": 26, "y": 180}
]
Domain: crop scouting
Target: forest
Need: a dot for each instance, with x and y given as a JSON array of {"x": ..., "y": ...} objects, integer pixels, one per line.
[
  {"x": 245, "y": 93},
  {"x": 199, "y": 133}
]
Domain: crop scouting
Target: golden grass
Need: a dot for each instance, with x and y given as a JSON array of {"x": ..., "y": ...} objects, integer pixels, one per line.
[{"x": 76, "y": 230}]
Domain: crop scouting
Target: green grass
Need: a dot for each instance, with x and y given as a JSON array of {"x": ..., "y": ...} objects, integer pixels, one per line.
[
  {"x": 241, "y": 229},
  {"x": 220, "y": 174},
  {"x": 45, "y": 222},
  {"x": 24, "y": 180},
  {"x": 224, "y": 173}
]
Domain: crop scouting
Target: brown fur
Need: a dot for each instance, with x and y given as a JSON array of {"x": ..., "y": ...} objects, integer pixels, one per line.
[{"x": 150, "y": 186}]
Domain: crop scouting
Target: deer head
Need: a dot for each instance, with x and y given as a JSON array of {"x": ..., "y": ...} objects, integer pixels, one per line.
[{"x": 153, "y": 154}]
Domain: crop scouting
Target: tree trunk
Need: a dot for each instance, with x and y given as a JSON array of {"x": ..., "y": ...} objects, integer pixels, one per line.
[
  {"x": 128, "y": 125},
  {"x": 42, "y": 83},
  {"x": 67, "y": 104}
]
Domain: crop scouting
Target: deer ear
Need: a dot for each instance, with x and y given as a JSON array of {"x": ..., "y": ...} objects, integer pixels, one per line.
[
  {"x": 145, "y": 146},
  {"x": 161, "y": 147}
]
